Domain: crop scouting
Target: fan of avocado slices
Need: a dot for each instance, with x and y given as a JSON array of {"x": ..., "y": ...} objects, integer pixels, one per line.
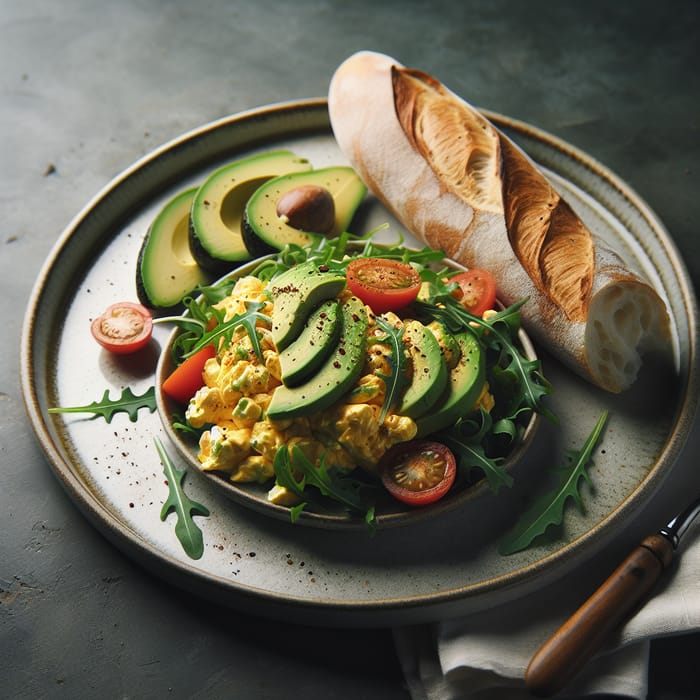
[
  {"x": 439, "y": 398},
  {"x": 249, "y": 207}
]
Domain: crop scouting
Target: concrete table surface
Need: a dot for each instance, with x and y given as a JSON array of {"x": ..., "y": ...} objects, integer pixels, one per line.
[{"x": 88, "y": 87}]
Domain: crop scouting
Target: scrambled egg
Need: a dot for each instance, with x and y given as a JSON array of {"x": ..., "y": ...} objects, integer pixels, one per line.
[{"x": 242, "y": 442}]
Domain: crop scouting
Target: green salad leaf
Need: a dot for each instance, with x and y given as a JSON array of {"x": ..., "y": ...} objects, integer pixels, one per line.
[
  {"x": 127, "y": 402},
  {"x": 224, "y": 330},
  {"x": 498, "y": 334},
  {"x": 548, "y": 509},
  {"x": 468, "y": 440},
  {"x": 296, "y": 471},
  {"x": 398, "y": 380},
  {"x": 186, "y": 530}
]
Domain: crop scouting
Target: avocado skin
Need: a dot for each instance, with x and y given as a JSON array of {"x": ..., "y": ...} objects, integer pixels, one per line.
[
  {"x": 429, "y": 377},
  {"x": 465, "y": 383},
  {"x": 295, "y": 294},
  {"x": 166, "y": 270},
  {"x": 336, "y": 375},
  {"x": 317, "y": 340},
  {"x": 217, "y": 244},
  {"x": 264, "y": 232}
]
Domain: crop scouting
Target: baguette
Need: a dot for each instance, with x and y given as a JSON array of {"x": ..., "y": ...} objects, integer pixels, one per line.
[{"x": 460, "y": 185}]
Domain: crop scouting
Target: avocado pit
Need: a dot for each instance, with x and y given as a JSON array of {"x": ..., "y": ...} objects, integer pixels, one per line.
[{"x": 307, "y": 208}]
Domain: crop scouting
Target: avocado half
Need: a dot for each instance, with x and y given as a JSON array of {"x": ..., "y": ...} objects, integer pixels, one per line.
[
  {"x": 265, "y": 231},
  {"x": 166, "y": 269},
  {"x": 216, "y": 237}
]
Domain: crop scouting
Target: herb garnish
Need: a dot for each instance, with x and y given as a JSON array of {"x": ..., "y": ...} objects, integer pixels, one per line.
[
  {"x": 397, "y": 381},
  {"x": 186, "y": 529},
  {"x": 106, "y": 407},
  {"x": 548, "y": 509},
  {"x": 197, "y": 336},
  {"x": 497, "y": 335},
  {"x": 297, "y": 472},
  {"x": 467, "y": 439}
]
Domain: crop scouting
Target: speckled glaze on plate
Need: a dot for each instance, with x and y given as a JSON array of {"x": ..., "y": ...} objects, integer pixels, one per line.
[
  {"x": 427, "y": 571},
  {"x": 389, "y": 512}
]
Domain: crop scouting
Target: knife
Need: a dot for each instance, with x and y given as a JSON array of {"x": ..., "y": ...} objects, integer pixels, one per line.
[{"x": 563, "y": 655}]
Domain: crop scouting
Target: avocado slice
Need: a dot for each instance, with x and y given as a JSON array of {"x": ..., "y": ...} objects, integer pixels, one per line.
[
  {"x": 216, "y": 218},
  {"x": 317, "y": 340},
  {"x": 265, "y": 231},
  {"x": 335, "y": 377},
  {"x": 166, "y": 270},
  {"x": 464, "y": 387},
  {"x": 429, "y": 373},
  {"x": 295, "y": 294}
]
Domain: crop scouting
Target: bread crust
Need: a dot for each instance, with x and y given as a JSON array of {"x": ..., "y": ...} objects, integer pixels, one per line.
[{"x": 460, "y": 185}]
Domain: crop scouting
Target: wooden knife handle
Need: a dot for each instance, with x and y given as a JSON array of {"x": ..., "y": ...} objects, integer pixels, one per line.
[{"x": 570, "y": 647}]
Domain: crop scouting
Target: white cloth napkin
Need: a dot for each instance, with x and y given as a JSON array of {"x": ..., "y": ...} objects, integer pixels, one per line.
[{"x": 483, "y": 656}]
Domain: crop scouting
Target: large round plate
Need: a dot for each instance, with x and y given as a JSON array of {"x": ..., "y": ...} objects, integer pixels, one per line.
[{"x": 432, "y": 570}]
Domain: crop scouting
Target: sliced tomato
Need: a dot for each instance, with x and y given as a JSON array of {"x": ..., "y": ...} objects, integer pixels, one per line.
[
  {"x": 476, "y": 290},
  {"x": 183, "y": 383},
  {"x": 123, "y": 328},
  {"x": 418, "y": 472},
  {"x": 384, "y": 285}
]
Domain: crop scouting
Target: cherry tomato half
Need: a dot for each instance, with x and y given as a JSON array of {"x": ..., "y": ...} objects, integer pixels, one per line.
[
  {"x": 183, "y": 383},
  {"x": 477, "y": 290},
  {"x": 123, "y": 328},
  {"x": 418, "y": 472},
  {"x": 384, "y": 285}
]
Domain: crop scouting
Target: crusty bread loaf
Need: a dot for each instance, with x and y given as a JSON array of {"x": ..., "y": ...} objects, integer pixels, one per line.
[{"x": 459, "y": 184}]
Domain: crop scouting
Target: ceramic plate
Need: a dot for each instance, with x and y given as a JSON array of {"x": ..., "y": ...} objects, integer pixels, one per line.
[{"x": 423, "y": 571}]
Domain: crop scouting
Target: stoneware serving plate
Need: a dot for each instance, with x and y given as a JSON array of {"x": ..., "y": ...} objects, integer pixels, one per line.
[{"x": 424, "y": 570}]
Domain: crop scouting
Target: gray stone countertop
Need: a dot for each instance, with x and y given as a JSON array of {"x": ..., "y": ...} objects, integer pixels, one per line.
[{"x": 87, "y": 88}]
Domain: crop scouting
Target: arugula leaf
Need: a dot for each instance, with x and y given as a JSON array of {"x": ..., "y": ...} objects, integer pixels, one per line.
[
  {"x": 397, "y": 381},
  {"x": 333, "y": 252},
  {"x": 474, "y": 456},
  {"x": 467, "y": 439},
  {"x": 193, "y": 325},
  {"x": 106, "y": 407},
  {"x": 548, "y": 509},
  {"x": 186, "y": 529},
  {"x": 225, "y": 329},
  {"x": 285, "y": 477},
  {"x": 297, "y": 472},
  {"x": 498, "y": 335},
  {"x": 343, "y": 489}
]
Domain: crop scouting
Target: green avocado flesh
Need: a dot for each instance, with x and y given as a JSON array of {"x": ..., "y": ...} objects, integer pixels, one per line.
[
  {"x": 318, "y": 338},
  {"x": 216, "y": 218},
  {"x": 166, "y": 269},
  {"x": 465, "y": 383},
  {"x": 334, "y": 378},
  {"x": 295, "y": 294},
  {"x": 264, "y": 231},
  {"x": 429, "y": 373}
]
